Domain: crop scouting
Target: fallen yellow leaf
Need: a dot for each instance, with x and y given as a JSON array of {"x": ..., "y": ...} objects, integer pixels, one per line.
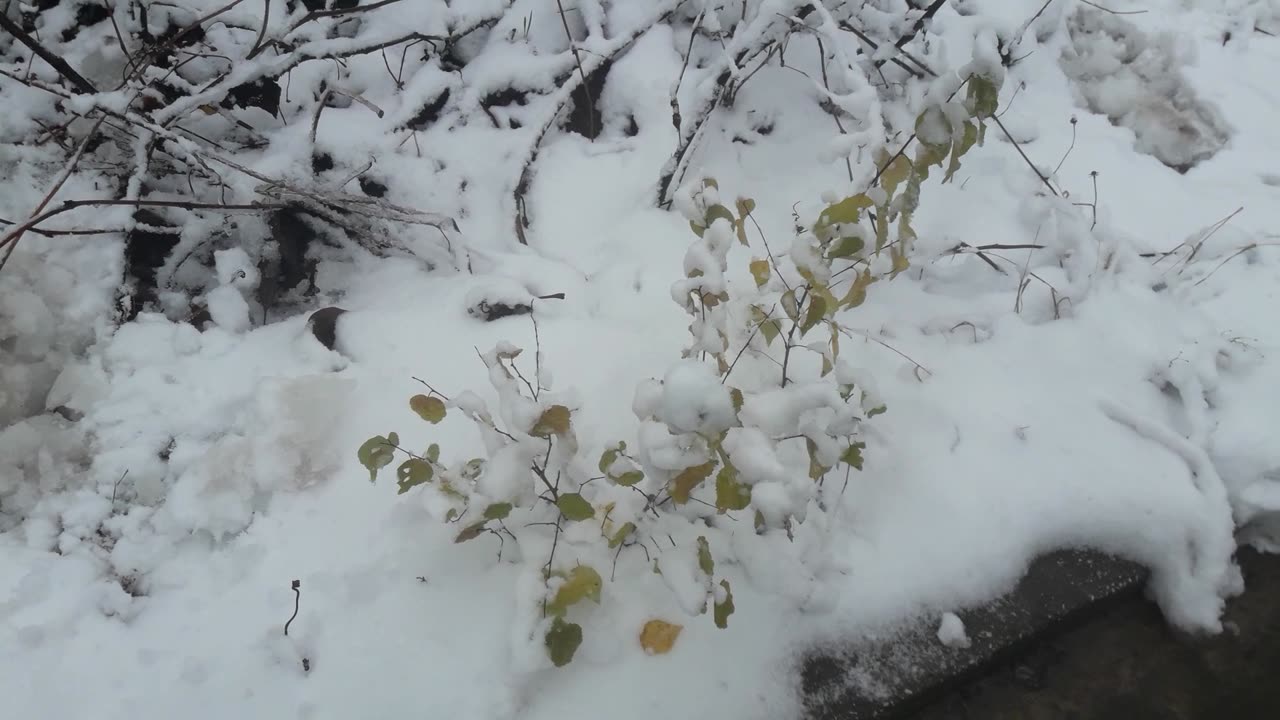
[{"x": 658, "y": 636}]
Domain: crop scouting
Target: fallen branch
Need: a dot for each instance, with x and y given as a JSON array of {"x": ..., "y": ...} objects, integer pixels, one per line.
[{"x": 62, "y": 66}]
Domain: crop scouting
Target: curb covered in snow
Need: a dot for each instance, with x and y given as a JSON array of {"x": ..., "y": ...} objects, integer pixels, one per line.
[{"x": 912, "y": 668}]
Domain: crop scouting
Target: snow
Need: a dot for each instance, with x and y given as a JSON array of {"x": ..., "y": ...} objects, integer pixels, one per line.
[
  {"x": 162, "y": 484},
  {"x": 951, "y": 632}
]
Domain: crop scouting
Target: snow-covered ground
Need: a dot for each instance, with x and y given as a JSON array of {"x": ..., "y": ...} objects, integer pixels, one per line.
[{"x": 1118, "y": 388}]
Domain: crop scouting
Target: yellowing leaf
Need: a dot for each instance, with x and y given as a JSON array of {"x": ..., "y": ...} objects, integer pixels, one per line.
[
  {"x": 735, "y": 395},
  {"x": 816, "y": 468},
  {"x": 746, "y": 206},
  {"x": 554, "y": 421},
  {"x": 562, "y": 641},
  {"x": 582, "y": 583},
  {"x": 575, "y": 507},
  {"x": 705, "y": 563},
  {"x": 622, "y": 534},
  {"x": 790, "y": 306},
  {"x": 471, "y": 532},
  {"x": 731, "y": 494},
  {"x": 412, "y": 473},
  {"x": 657, "y": 637},
  {"x": 848, "y": 210},
  {"x": 961, "y": 147},
  {"x": 858, "y": 290},
  {"x": 688, "y": 479},
  {"x": 896, "y": 172},
  {"x": 741, "y": 227},
  {"x": 760, "y": 271},
  {"x": 428, "y": 407},
  {"x": 817, "y": 310},
  {"x": 724, "y": 609}
]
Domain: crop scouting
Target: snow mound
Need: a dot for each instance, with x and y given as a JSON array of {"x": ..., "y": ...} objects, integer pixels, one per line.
[{"x": 1136, "y": 81}]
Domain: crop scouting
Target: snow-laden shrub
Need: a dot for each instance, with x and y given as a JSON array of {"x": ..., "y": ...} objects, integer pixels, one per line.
[{"x": 709, "y": 443}]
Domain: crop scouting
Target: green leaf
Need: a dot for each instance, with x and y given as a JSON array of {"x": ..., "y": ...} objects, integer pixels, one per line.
[
  {"x": 817, "y": 311},
  {"x": 697, "y": 229},
  {"x": 688, "y": 479},
  {"x": 428, "y": 407},
  {"x": 846, "y": 247},
  {"x": 555, "y": 420},
  {"x": 497, "y": 511},
  {"x": 412, "y": 473},
  {"x": 621, "y": 534},
  {"x": 628, "y": 478},
  {"x": 575, "y": 507},
  {"x": 376, "y": 453},
  {"x": 433, "y": 453},
  {"x": 731, "y": 494},
  {"x": 705, "y": 562},
  {"x": 848, "y": 210},
  {"x": 607, "y": 459},
  {"x": 723, "y": 610},
  {"x": 760, "y": 271},
  {"x": 852, "y": 455},
  {"x": 984, "y": 96},
  {"x": 769, "y": 328},
  {"x": 470, "y": 532},
  {"x": 582, "y": 583},
  {"x": 562, "y": 641}
]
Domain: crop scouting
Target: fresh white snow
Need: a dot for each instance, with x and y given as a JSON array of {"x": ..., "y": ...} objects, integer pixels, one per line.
[
  {"x": 1091, "y": 395},
  {"x": 951, "y": 631}
]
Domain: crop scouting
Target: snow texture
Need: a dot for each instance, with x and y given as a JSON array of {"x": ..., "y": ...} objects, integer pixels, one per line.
[
  {"x": 951, "y": 632},
  {"x": 164, "y": 479}
]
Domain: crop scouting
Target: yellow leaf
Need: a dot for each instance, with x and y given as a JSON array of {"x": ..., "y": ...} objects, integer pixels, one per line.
[
  {"x": 688, "y": 479},
  {"x": 554, "y": 421},
  {"x": 429, "y": 408},
  {"x": 858, "y": 290},
  {"x": 895, "y": 173},
  {"x": 657, "y": 637},
  {"x": 760, "y": 271}
]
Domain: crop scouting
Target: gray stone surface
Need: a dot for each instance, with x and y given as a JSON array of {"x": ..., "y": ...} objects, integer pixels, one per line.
[{"x": 893, "y": 676}]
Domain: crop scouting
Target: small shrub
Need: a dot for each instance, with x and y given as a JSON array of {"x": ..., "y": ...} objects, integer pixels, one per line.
[{"x": 708, "y": 443}]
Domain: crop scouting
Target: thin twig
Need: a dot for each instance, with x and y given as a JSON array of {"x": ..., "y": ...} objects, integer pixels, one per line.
[{"x": 11, "y": 238}]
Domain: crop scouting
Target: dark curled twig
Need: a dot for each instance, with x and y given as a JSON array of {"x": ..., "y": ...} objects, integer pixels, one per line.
[{"x": 296, "y": 586}]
